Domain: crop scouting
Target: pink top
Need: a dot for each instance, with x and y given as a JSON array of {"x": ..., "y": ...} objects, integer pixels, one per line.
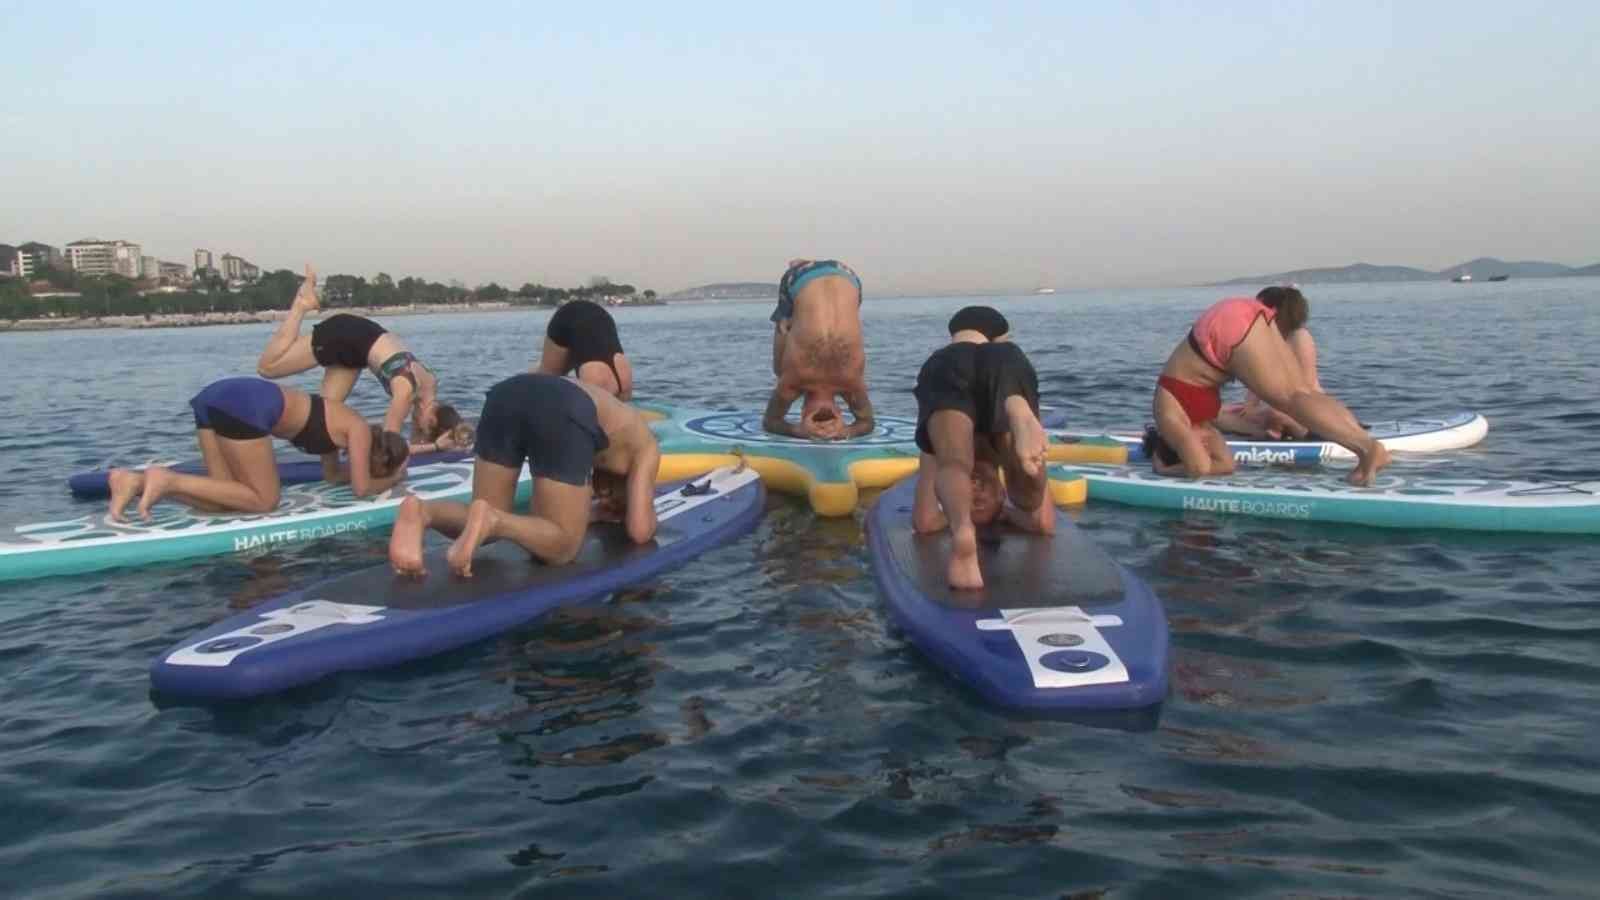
[{"x": 1223, "y": 327}]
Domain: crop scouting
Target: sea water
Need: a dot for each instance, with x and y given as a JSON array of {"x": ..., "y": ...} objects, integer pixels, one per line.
[{"x": 1353, "y": 712}]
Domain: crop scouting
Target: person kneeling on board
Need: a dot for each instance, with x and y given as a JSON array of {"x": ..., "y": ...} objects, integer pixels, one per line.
[
  {"x": 978, "y": 413},
  {"x": 817, "y": 353},
  {"x": 1243, "y": 337},
  {"x": 1254, "y": 418},
  {"x": 582, "y": 339},
  {"x": 235, "y": 420},
  {"x": 581, "y": 444}
]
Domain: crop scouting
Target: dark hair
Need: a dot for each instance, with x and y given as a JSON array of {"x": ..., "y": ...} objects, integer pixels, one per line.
[
  {"x": 446, "y": 420},
  {"x": 389, "y": 452},
  {"x": 1291, "y": 306},
  {"x": 985, "y": 320}
]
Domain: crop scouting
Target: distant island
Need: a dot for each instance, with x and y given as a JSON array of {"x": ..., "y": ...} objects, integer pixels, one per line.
[
  {"x": 728, "y": 290},
  {"x": 1482, "y": 269}
]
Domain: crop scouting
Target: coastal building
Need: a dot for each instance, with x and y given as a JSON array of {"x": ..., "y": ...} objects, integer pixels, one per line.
[
  {"x": 237, "y": 268},
  {"x": 92, "y": 256},
  {"x": 8, "y": 260},
  {"x": 33, "y": 256},
  {"x": 173, "y": 273},
  {"x": 149, "y": 267},
  {"x": 202, "y": 261}
]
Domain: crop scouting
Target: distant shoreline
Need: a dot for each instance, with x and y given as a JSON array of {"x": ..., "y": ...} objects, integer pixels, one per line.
[{"x": 201, "y": 320}]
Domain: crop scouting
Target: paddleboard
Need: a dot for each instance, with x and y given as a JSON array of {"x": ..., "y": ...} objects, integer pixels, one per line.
[
  {"x": 95, "y": 484},
  {"x": 1058, "y": 627},
  {"x": 306, "y": 512},
  {"x": 829, "y": 473},
  {"x": 1453, "y": 432},
  {"x": 374, "y": 618},
  {"x": 1397, "y": 499}
]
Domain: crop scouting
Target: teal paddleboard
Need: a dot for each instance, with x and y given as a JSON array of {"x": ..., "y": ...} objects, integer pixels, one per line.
[
  {"x": 307, "y": 512},
  {"x": 1395, "y": 500}
]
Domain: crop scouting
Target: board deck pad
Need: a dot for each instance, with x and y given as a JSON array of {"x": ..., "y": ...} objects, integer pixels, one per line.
[
  {"x": 374, "y": 618},
  {"x": 830, "y": 473},
  {"x": 1396, "y": 499},
  {"x": 1414, "y": 435},
  {"x": 1058, "y": 627},
  {"x": 306, "y": 512}
]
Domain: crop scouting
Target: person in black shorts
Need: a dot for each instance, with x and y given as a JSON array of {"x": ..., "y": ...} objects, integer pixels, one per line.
[
  {"x": 582, "y": 338},
  {"x": 235, "y": 420},
  {"x": 343, "y": 345},
  {"x": 978, "y": 413},
  {"x": 579, "y": 443}
]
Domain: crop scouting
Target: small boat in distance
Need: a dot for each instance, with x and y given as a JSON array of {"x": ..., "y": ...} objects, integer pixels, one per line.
[
  {"x": 1461, "y": 278},
  {"x": 1499, "y": 277},
  {"x": 1045, "y": 290}
]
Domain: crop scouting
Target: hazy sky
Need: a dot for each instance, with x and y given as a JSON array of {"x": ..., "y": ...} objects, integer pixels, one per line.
[{"x": 935, "y": 147}]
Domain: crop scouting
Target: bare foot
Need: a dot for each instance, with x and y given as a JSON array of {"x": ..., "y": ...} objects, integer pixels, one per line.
[
  {"x": 306, "y": 297},
  {"x": 481, "y": 519},
  {"x": 125, "y": 483},
  {"x": 405, "y": 543},
  {"x": 964, "y": 574},
  {"x": 1367, "y": 467},
  {"x": 157, "y": 481},
  {"x": 1027, "y": 437}
]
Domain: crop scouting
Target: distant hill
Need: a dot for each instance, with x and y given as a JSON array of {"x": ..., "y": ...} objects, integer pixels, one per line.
[
  {"x": 728, "y": 290},
  {"x": 1485, "y": 266},
  {"x": 1341, "y": 274},
  {"x": 1480, "y": 269}
]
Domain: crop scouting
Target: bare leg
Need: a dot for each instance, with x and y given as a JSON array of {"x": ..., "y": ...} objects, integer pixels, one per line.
[
  {"x": 1173, "y": 424},
  {"x": 926, "y": 517},
  {"x": 337, "y": 382},
  {"x": 1264, "y": 362},
  {"x": 289, "y": 352},
  {"x": 255, "y": 491},
  {"x": 1028, "y": 439},
  {"x": 950, "y": 432},
  {"x": 553, "y": 536},
  {"x": 780, "y": 333}
]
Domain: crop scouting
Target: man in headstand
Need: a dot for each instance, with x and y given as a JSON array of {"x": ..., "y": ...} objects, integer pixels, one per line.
[
  {"x": 570, "y": 434},
  {"x": 817, "y": 352},
  {"x": 978, "y": 412}
]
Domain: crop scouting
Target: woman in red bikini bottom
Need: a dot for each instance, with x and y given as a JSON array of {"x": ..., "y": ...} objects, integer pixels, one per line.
[{"x": 1226, "y": 343}]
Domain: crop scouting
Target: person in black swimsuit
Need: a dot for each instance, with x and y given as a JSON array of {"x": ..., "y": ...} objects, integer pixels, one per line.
[
  {"x": 978, "y": 415},
  {"x": 343, "y": 345},
  {"x": 235, "y": 420},
  {"x": 582, "y": 338}
]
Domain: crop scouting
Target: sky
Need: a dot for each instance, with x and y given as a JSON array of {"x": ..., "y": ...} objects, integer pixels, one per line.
[{"x": 937, "y": 148}]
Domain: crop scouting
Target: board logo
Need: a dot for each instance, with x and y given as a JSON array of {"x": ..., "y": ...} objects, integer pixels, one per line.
[
  {"x": 745, "y": 428},
  {"x": 1267, "y": 455}
]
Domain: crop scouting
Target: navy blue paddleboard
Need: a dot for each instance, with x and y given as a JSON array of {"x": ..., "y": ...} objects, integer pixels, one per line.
[
  {"x": 375, "y": 618},
  {"x": 1058, "y": 627},
  {"x": 94, "y": 484}
]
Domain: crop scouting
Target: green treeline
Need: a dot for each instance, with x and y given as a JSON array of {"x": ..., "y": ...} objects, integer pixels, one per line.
[{"x": 115, "y": 295}]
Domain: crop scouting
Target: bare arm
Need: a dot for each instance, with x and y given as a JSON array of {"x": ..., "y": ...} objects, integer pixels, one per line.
[
  {"x": 394, "y": 418},
  {"x": 358, "y": 447},
  {"x": 1039, "y": 521},
  {"x": 861, "y": 408},
  {"x": 641, "y": 515},
  {"x": 773, "y": 420},
  {"x": 780, "y": 335}
]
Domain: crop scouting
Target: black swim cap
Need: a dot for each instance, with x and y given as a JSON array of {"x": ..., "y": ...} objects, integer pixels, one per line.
[{"x": 985, "y": 320}]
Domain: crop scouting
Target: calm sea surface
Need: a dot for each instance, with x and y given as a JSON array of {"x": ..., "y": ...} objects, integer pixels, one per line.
[{"x": 1354, "y": 712}]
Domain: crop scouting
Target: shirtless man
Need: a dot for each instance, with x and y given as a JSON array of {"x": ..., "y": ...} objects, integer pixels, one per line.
[
  {"x": 978, "y": 413},
  {"x": 817, "y": 352},
  {"x": 581, "y": 444}
]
